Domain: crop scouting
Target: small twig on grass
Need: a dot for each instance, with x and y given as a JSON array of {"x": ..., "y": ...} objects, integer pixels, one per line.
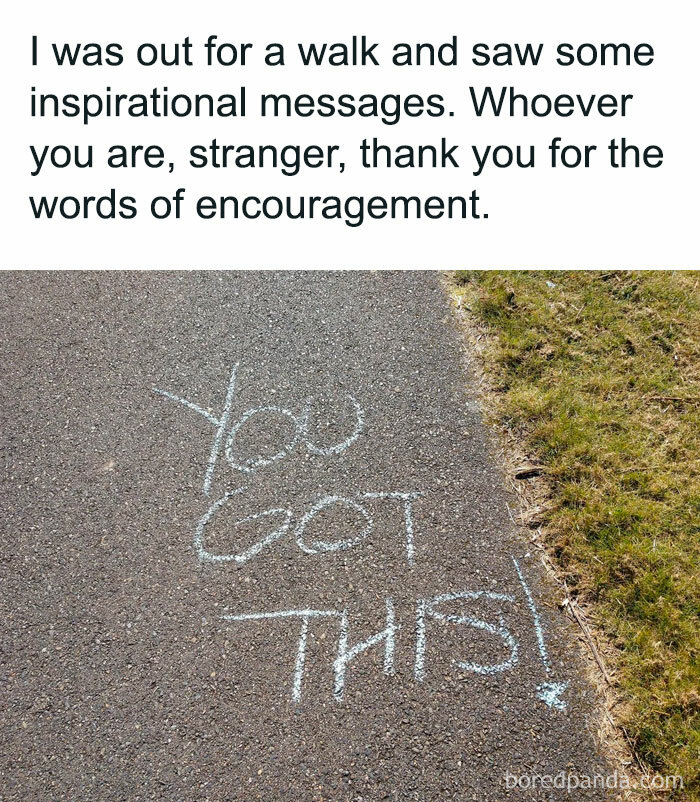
[
  {"x": 527, "y": 471},
  {"x": 570, "y": 604}
]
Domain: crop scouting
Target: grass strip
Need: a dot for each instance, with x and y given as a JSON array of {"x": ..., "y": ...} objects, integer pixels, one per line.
[{"x": 598, "y": 374}]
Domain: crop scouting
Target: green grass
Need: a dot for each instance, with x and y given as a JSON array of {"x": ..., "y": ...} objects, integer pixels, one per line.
[{"x": 599, "y": 376}]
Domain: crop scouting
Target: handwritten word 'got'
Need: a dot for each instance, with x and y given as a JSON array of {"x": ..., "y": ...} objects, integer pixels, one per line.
[{"x": 307, "y": 546}]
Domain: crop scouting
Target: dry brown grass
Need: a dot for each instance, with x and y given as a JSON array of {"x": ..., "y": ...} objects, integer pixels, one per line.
[{"x": 597, "y": 378}]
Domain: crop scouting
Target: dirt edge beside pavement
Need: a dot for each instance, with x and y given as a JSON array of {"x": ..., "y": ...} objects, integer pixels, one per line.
[{"x": 521, "y": 475}]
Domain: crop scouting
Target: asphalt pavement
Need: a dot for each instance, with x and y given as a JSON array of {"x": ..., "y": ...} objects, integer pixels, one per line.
[{"x": 255, "y": 547}]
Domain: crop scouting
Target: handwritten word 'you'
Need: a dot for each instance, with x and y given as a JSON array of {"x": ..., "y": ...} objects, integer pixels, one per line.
[{"x": 227, "y": 436}]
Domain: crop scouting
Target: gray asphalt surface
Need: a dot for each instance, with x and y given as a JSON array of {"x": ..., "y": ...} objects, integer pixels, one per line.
[{"x": 135, "y": 661}]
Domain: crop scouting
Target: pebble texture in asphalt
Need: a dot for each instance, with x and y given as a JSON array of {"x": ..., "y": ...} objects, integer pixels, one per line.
[{"x": 183, "y": 453}]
